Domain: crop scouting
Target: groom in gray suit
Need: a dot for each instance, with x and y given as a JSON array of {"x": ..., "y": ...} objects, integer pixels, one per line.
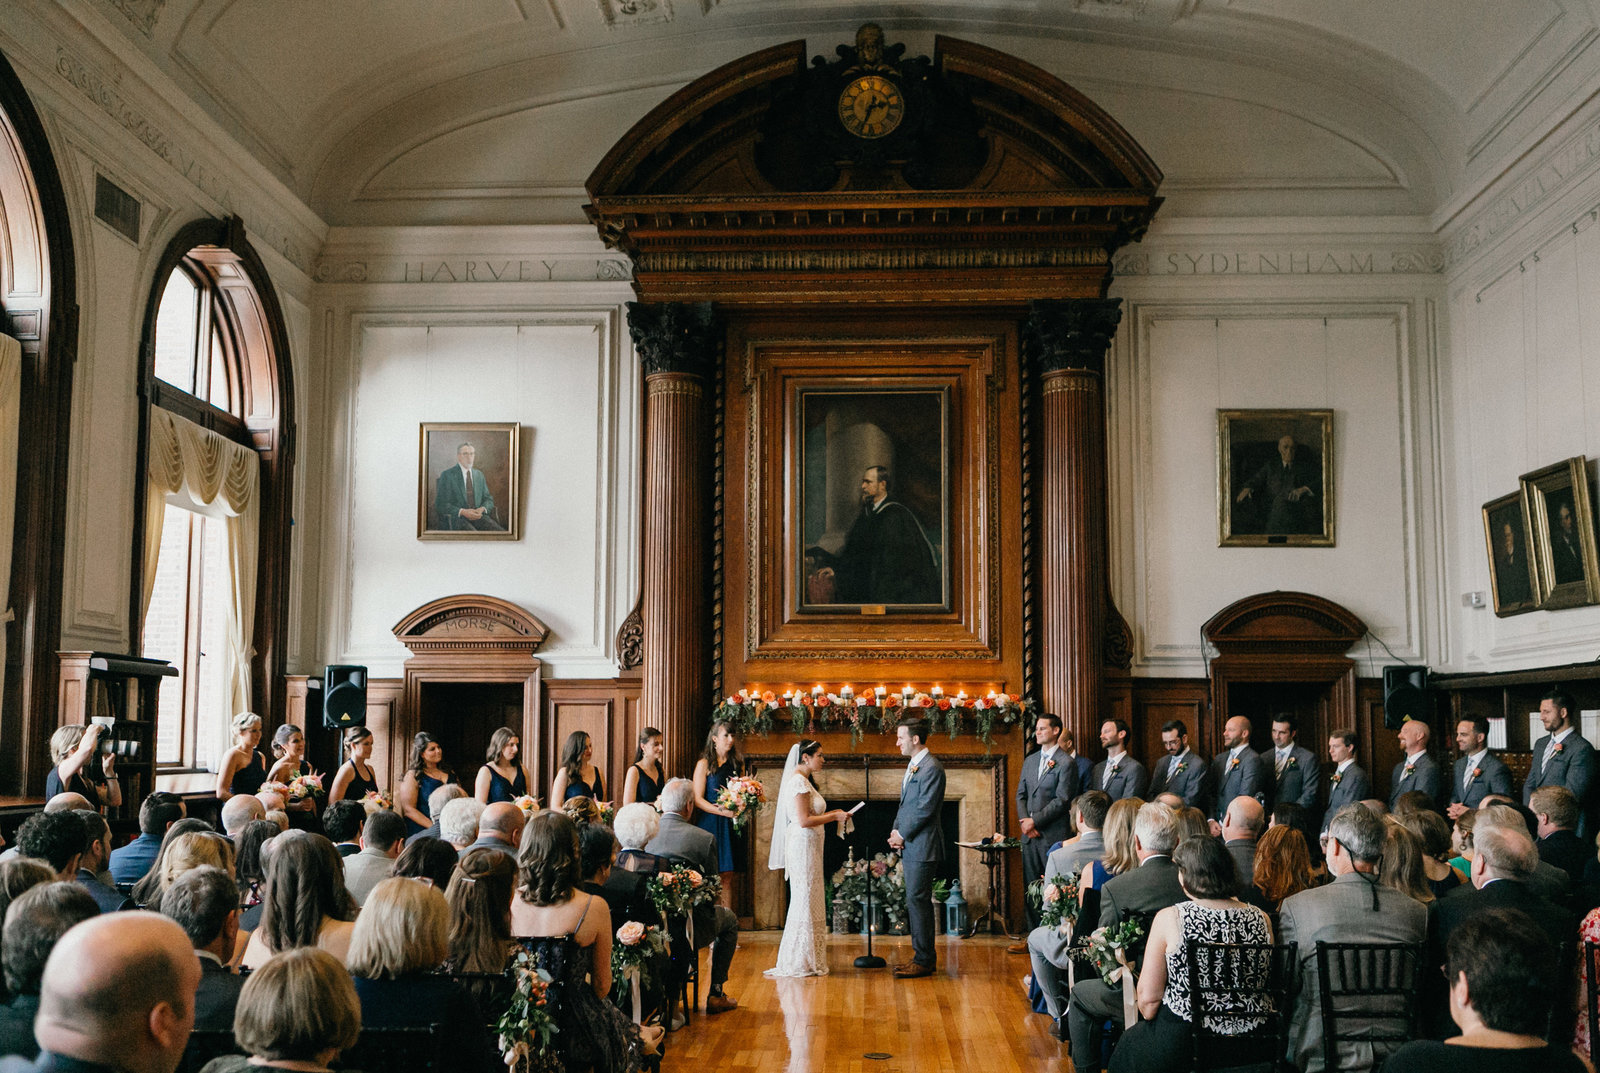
[{"x": 919, "y": 836}]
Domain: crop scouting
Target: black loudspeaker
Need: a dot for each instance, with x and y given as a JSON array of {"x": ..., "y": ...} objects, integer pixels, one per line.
[
  {"x": 344, "y": 697},
  {"x": 1405, "y": 695}
]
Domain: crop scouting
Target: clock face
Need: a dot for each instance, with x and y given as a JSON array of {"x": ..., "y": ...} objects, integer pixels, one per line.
[{"x": 871, "y": 107}]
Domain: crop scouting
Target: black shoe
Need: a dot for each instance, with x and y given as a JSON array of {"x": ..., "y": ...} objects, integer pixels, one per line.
[{"x": 1059, "y": 1030}]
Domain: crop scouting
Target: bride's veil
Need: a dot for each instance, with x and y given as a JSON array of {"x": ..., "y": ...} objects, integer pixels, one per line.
[{"x": 780, "y": 818}]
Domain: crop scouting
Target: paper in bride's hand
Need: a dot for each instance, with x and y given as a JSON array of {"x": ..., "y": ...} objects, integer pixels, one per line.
[{"x": 858, "y": 808}]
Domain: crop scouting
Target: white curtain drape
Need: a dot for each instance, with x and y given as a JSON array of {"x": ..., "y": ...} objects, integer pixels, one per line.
[
  {"x": 187, "y": 462},
  {"x": 10, "y": 418}
]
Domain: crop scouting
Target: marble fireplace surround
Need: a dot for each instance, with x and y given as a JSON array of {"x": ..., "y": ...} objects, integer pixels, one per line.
[{"x": 975, "y": 784}]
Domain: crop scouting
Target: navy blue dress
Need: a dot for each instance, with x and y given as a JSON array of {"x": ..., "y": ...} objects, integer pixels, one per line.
[
  {"x": 359, "y": 787},
  {"x": 730, "y": 847},
  {"x": 579, "y": 788},
  {"x": 248, "y": 779},
  {"x": 426, "y": 784},
  {"x": 501, "y": 789},
  {"x": 648, "y": 788}
]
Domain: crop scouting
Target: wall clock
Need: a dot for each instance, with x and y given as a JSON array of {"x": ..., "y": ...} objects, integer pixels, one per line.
[{"x": 871, "y": 107}]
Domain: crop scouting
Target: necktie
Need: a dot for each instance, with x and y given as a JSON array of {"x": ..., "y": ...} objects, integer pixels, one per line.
[
  {"x": 1549, "y": 751},
  {"x": 472, "y": 498},
  {"x": 1283, "y": 762},
  {"x": 1466, "y": 779}
]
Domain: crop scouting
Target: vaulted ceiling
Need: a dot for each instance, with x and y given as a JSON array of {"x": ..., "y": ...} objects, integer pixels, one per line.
[{"x": 494, "y": 111}]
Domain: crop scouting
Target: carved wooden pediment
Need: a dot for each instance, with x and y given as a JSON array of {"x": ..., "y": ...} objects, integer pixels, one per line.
[
  {"x": 471, "y": 623},
  {"x": 1284, "y": 622}
]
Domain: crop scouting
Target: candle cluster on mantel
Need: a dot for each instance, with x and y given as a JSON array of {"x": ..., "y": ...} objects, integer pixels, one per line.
[
  {"x": 757, "y": 709},
  {"x": 875, "y": 696}
]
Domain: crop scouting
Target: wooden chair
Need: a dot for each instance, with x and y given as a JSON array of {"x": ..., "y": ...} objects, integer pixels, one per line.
[
  {"x": 492, "y": 991},
  {"x": 1266, "y": 972},
  {"x": 1369, "y": 995},
  {"x": 416, "y": 1049}
]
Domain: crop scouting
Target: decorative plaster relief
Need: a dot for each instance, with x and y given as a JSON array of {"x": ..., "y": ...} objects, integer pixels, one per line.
[
  {"x": 489, "y": 269},
  {"x": 142, "y": 13},
  {"x": 1282, "y": 261},
  {"x": 635, "y": 12}
]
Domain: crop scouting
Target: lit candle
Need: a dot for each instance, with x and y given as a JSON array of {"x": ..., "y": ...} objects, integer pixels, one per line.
[
  {"x": 906, "y": 694},
  {"x": 847, "y": 693},
  {"x": 961, "y": 695},
  {"x": 816, "y": 691},
  {"x": 880, "y": 693},
  {"x": 938, "y": 692}
]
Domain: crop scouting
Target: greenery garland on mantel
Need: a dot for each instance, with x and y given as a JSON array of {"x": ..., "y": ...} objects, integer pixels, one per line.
[{"x": 762, "y": 712}]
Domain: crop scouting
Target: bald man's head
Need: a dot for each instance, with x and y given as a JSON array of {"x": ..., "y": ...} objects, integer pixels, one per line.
[
  {"x": 502, "y": 820},
  {"x": 119, "y": 990},
  {"x": 1245, "y": 819},
  {"x": 1236, "y": 732},
  {"x": 68, "y": 800},
  {"x": 239, "y": 812}
]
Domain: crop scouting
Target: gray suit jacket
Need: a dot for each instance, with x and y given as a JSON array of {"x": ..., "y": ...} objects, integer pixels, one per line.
[
  {"x": 1301, "y": 781},
  {"x": 1047, "y": 798},
  {"x": 1340, "y": 912},
  {"x": 1425, "y": 777},
  {"x": 1232, "y": 780},
  {"x": 1130, "y": 779},
  {"x": 1573, "y": 767},
  {"x": 1495, "y": 779},
  {"x": 1352, "y": 788},
  {"x": 366, "y": 870},
  {"x": 1189, "y": 784},
  {"x": 1073, "y": 857},
  {"x": 680, "y": 838},
  {"x": 1143, "y": 892},
  {"x": 919, "y": 819}
]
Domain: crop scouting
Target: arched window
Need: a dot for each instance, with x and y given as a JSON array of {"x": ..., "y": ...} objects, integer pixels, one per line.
[{"x": 213, "y": 550}]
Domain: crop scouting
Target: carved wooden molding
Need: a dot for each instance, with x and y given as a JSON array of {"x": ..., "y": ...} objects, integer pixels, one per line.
[
  {"x": 1284, "y": 622},
  {"x": 471, "y": 624}
]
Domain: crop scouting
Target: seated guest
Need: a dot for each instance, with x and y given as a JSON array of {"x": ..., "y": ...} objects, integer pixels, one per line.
[
  {"x": 34, "y": 923},
  {"x": 1500, "y": 880},
  {"x": 1353, "y": 908},
  {"x": 298, "y": 1011},
  {"x": 568, "y": 933},
  {"x": 1401, "y": 866},
  {"x": 1162, "y": 1041},
  {"x": 18, "y": 876},
  {"x": 623, "y": 891},
  {"x": 342, "y": 823},
  {"x": 1121, "y": 854},
  {"x": 457, "y": 825},
  {"x": 158, "y": 812},
  {"x": 1461, "y": 842},
  {"x": 432, "y": 859},
  {"x": 1409, "y": 802},
  {"x": 1557, "y": 812},
  {"x": 581, "y": 810},
  {"x": 305, "y": 901},
  {"x": 714, "y": 926},
  {"x": 1242, "y": 824},
  {"x": 238, "y": 812},
  {"x": 1050, "y": 949},
  {"x": 1145, "y": 890},
  {"x": 250, "y": 869},
  {"x": 500, "y": 827},
  {"x": 636, "y": 825},
  {"x": 96, "y": 853},
  {"x": 1282, "y": 866},
  {"x": 502, "y": 776},
  {"x": 73, "y": 751},
  {"x": 437, "y": 800},
  {"x": 1551, "y": 882},
  {"x": 148, "y": 887},
  {"x": 1433, "y": 832},
  {"x": 1500, "y": 968},
  {"x": 56, "y": 838},
  {"x": 399, "y": 943},
  {"x": 193, "y": 849},
  {"x": 1192, "y": 822},
  {"x": 381, "y": 840},
  {"x": 205, "y": 903},
  {"x": 116, "y": 995},
  {"x": 1088, "y": 845},
  {"x": 479, "y": 900}
]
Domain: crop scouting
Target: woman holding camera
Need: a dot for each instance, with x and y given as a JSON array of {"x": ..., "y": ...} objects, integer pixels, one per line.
[{"x": 72, "y": 748}]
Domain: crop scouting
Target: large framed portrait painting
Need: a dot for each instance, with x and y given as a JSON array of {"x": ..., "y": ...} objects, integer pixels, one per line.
[
  {"x": 1563, "y": 533},
  {"x": 467, "y": 481},
  {"x": 1275, "y": 478},
  {"x": 1512, "y": 574},
  {"x": 872, "y": 491}
]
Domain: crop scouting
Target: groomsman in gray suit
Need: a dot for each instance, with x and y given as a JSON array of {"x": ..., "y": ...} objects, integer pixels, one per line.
[
  {"x": 1562, "y": 757},
  {"x": 1045, "y": 789},
  {"x": 1296, "y": 775},
  {"x": 1418, "y": 771},
  {"x": 1119, "y": 774},
  {"x": 1478, "y": 772},
  {"x": 1348, "y": 783},
  {"x": 1180, "y": 772},
  {"x": 1237, "y": 770},
  {"x": 919, "y": 836}
]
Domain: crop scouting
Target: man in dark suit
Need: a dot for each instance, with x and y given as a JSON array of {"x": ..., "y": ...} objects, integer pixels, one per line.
[
  {"x": 1180, "y": 772},
  {"x": 461, "y": 497},
  {"x": 499, "y": 828},
  {"x": 1296, "y": 775},
  {"x": 1418, "y": 772},
  {"x": 342, "y": 822},
  {"x": 1236, "y": 771},
  {"x": 1142, "y": 892},
  {"x": 1505, "y": 861},
  {"x": 919, "y": 836},
  {"x": 1119, "y": 774},
  {"x": 204, "y": 902},
  {"x": 34, "y": 923},
  {"x": 1242, "y": 825},
  {"x": 1556, "y": 811},
  {"x": 159, "y": 811},
  {"x": 1562, "y": 757},
  {"x": 714, "y": 926},
  {"x": 1045, "y": 790},
  {"x": 95, "y": 856},
  {"x": 1069, "y": 745},
  {"x": 1478, "y": 773},
  {"x": 1348, "y": 783}
]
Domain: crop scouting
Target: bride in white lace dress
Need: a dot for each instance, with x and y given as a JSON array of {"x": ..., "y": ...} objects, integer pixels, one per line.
[{"x": 797, "y": 833}]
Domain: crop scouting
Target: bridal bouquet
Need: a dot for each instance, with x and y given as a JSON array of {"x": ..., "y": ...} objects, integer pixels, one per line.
[
  {"x": 1108, "y": 950},
  {"x": 742, "y": 796},
  {"x": 376, "y": 801},
  {"x": 1056, "y": 899},
  {"x": 305, "y": 786},
  {"x": 526, "y": 1028},
  {"x": 676, "y": 893},
  {"x": 637, "y": 946}
]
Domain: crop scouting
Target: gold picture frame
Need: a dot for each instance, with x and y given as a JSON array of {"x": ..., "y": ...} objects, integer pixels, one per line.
[
  {"x": 1275, "y": 478},
  {"x": 446, "y": 508},
  {"x": 1562, "y": 523},
  {"x": 1513, "y": 570}
]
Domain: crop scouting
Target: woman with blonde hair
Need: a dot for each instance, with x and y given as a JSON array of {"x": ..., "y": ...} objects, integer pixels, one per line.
[
  {"x": 298, "y": 1011},
  {"x": 72, "y": 751},
  {"x": 196, "y": 849},
  {"x": 355, "y": 778},
  {"x": 1120, "y": 856},
  {"x": 306, "y": 903},
  {"x": 149, "y": 886},
  {"x": 502, "y": 776},
  {"x": 400, "y": 941},
  {"x": 244, "y": 767},
  {"x": 1401, "y": 867}
]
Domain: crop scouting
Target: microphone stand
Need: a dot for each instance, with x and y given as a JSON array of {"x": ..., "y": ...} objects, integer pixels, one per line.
[{"x": 868, "y": 960}]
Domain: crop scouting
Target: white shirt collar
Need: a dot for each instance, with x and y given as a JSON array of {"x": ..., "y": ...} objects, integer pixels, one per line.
[
  {"x": 916, "y": 758},
  {"x": 1563, "y": 735},
  {"x": 1474, "y": 759},
  {"x": 1233, "y": 753},
  {"x": 1344, "y": 764},
  {"x": 1046, "y": 752},
  {"x": 1285, "y": 750},
  {"x": 1412, "y": 758},
  {"x": 463, "y": 469},
  {"x": 1176, "y": 760},
  {"x": 206, "y": 955}
]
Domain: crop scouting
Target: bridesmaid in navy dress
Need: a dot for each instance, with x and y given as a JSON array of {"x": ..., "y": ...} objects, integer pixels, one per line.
[
  {"x": 720, "y": 762},
  {"x": 425, "y": 773},
  {"x": 646, "y": 776},
  {"x": 244, "y": 767},
  {"x": 289, "y": 746},
  {"x": 502, "y": 776},
  {"x": 355, "y": 778},
  {"x": 578, "y": 777}
]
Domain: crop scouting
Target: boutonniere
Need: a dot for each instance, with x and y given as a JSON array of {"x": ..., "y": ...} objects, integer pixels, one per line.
[
  {"x": 1292, "y": 763},
  {"x": 1477, "y": 772},
  {"x": 914, "y": 768},
  {"x": 1559, "y": 746},
  {"x": 1333, "y": 780},
  {"x": 1233, "y": 763},
  {"x": 1406, "y": 774},
  {"x": 1181, "y": 768},
  {"x": 1050, "y": 765},
  {"x": 1114, "y": 768}
]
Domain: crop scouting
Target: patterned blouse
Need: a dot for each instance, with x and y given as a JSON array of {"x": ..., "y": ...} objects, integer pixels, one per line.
[{"x": 1245, "y": 924}]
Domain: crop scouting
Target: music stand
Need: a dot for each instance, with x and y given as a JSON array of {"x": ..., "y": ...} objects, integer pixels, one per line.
[
  {"x": 869, "y": 960},
  {"x": 993, "y": 857}
]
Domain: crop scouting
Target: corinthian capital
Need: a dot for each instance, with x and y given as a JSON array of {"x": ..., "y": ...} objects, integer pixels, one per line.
[
  {"x": 1070, "y": 333},
  {"x": 675, "y": 337}
]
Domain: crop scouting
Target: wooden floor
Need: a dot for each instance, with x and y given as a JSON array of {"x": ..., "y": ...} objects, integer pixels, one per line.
[{"x": 972, "y": 1015}]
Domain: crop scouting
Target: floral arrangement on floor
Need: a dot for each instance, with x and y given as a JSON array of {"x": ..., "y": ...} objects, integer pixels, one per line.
[
  {"x": 676, "y": 893},
  {"x": 305, "y": 786},
  {"x": 753, "y": 711},
  {"x": 888, "y": 884},
  {"x": 1108, "y": 950},
  {"x": 1057, "y": 901},
  {"x": 743, "y": 796},
  {"x": 637, "y": 947},
  {"x": 376, "y": 801},
  {"x": 525, "y": 1030}
]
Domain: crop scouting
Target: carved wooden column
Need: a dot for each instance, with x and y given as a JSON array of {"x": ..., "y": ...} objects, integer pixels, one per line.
[
  {"x": 1066, "y": 343},
  {"x": 677, "y": 345}
]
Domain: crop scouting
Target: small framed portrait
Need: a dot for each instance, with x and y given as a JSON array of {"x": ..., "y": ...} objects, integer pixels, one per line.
[
  {"x": 1513, "y": 577},
  {"x": 873, "y": 499},
  {"x": 1275, "y": 478},
  {"x": 1562, "y": 525},
  {"x": 467, "y": 481}
]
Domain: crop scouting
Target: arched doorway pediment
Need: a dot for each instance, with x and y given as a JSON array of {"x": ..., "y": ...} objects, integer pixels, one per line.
[
  {"x": 1284, "y": 621},
  {"x": 471, "y": 621}
]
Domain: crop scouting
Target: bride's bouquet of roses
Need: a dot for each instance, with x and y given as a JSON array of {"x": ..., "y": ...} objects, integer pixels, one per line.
[
  {"x": 743, "y": 796},
  {"x": 1108, "y": 949},
  {"x": 637, "y": 947},
  {"x": 526, "y": 1029},
  {"x": 678, "y": 892},
  {"x": 1057, "y": 901}
]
